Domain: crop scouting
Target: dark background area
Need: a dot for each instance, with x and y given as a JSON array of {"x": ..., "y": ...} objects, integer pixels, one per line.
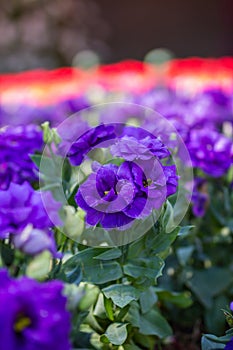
[{"x": 50, "y": 33}]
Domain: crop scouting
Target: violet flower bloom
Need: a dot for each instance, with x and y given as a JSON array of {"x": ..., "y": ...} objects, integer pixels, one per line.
[
  {"x": 130, "y": 148},
  {"x": 210, "y": 151},
  {"x": 86, "y": 142},
  {"x": 114, "y": 196},
  {"x": 33, "y": 241},
  {"x": 200, "y": 197},
  {"x": 229, "y": 345},
  {"x": 21, "y": 206},
  {"x": 16, "y": 143},
  {"x": 33, "y": 315}
]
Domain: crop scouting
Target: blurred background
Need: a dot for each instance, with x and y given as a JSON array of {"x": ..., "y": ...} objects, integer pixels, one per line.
[{"x": 52, "y": 33}]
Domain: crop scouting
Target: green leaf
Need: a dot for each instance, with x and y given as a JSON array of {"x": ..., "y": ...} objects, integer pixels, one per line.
[
  {"x": 206, "y": 284},
  {"x": 185, "y": 230},
  {"x": 36, "y": 158},
  {"x": 116, "y": 333},
  {"x": 110, "y": 254},
  {"x": 99, "y": 309},
  {"x": 7, "y": 253},
  {"x": 153, "y": 323},
  {"x": 91, "y": 293},
  {"x": 109, "y": 310},
  {"x": 144, "y": 267},
  {"x": 131, "y": 347},
  {"x": 74, "y": 223},
  {"x": 93, "y": 270},
  {"x": 121, "y": 295},
  {"x": 74, "y": 294},
  {"x": 137, "y": 248},
  {"x": 182, "y": 300},
  {"x": 147, "y": 299},
  {"x": 184, "y": 254},
  {"x": 133, "y": 316},
  {"x": 214, "y": 317},
  {"x": 73, "y": 275},
  {"x": 47, "y": 166},
  {"x": 211, "y": 342},
  {"x": 161, "y": 241},
  {"x": 168, "y": 217}
]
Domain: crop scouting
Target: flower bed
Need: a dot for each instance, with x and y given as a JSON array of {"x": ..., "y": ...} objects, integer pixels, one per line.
[{"x": 116, "y": 190}]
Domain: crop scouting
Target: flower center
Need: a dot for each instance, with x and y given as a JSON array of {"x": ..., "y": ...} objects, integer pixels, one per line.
[
  {"x": 21, "y": 323},
  {"x": 147, "y": 182}
]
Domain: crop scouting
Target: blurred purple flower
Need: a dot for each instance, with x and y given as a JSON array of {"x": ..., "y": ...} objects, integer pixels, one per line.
[
  {"x": 33, "y": 315},
  {"x": 137, "y": 143},
  {"x": 200, "y": 197},
  {"x": 22, "y": 207},
  {"x": 229, "y": 345},
  {"x": 16, "y": 144},
  {"x": 210, "y": 151},
  {"x": 33, "y": 241}
]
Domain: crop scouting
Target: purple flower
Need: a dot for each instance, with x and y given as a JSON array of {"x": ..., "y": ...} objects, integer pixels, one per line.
[
  {"x": 171, "y": 179},
  {"x": 229, "y": 345},
  {"x": 20, "y": 205},
  {"x": 86, "y": 142},
  {"x": 210, "y": 151},
  {"x": 200, "y": 197},
  {"x": 33, "y": 241},
  {"x": 33, "y": 315},
  {"x": 114, "y": 196},
  {"x": 22, "y": 214},
  {"x": 136, "y": 143},
  {"x": 16, "y": 144}
]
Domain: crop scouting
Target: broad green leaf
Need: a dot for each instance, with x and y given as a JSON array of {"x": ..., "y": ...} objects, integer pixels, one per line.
[
  {"x": 133, "y": 316},
  {"x": 144, "y": 267},
  {"x": 137, "y": 249},
  {"x": 161, "y": 241},
  {"x": 72, "y": 275},
  {"x": 153, "y": 323},
  {"x": 116, "y": 333},
  {"x": 93, "y": 270},
  {"x": 147, "y": 299},
  {"x": 206, "y": 284},
  {"x": 181, "y": 300},
  {"x": 211, "y": 342},
  {"x": 121, "y": 295},
  {"x": 110, "y": 254},
  {"x": 48, "y": 167},
  {"x": 184, "y": 254},
  {"x": 131, "y": 347},
  {"x": 214, "y": 317}
]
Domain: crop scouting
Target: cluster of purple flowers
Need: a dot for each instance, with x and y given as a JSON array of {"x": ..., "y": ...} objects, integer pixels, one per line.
[
  {"x": 33, "y": 315},
  {"x": 24, "y": 219},
  {"x": 16, "y": 144},
  {"x": 115, "y": 195}
]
